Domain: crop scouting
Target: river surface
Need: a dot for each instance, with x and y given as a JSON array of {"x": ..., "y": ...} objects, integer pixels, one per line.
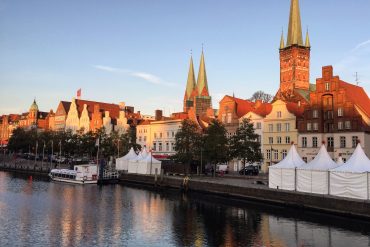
[{"x": 35, "y": 212}]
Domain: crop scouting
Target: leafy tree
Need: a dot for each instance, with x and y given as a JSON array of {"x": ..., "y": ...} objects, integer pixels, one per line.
[
  {"x": 132, "y": 139},
  {"x": 244, "y": 144},
  {"x": 216, "y": 143},
  {"x": 261, "y": 95},
  {"x": 188, "y": 142}
]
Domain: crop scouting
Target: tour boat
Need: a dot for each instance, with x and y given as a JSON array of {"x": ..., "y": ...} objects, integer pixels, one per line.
[{"x": 81, "y": 174}]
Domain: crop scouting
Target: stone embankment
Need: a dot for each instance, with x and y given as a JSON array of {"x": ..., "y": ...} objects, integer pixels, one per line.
[{"x": 256, "y": 189}]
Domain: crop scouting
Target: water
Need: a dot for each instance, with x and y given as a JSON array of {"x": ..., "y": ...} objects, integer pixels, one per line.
[{"x": 34, "y": 212}]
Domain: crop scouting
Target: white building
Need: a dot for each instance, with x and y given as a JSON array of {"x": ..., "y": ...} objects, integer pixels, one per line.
[{"x": 158, "y": 136}]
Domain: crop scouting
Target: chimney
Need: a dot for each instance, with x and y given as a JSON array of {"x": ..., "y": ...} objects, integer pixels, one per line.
[
  {"x": 122, "y": 105},
  {"x": 158, "y": 115}
]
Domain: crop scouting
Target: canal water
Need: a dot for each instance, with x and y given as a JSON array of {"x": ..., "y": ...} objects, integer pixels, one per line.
[{"x": 35, "y": 212}]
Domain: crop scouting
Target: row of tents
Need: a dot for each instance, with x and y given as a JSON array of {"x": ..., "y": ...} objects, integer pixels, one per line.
[
  {"x": 322, "y": 175},
  {"x": 142, "y": 163}
]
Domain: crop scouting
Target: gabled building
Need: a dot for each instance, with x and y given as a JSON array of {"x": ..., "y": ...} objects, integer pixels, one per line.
[{"x": 338, "y": 114}]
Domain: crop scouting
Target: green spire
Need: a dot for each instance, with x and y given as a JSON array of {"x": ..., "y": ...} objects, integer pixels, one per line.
[
  {"x": 295, "y": 28},
  {"x": 202, "y": 83},
  {"x": 307, "y": 44},
  {"x": 190, "y": 85},
  {"x": 282, "y": 45}
]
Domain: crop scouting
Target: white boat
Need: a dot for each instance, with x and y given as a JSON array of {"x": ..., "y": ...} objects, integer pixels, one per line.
[{"x": 81, "y": 174}]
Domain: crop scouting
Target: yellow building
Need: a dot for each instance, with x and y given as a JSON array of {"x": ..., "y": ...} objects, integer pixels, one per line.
[{"x": 279, "y": 131}]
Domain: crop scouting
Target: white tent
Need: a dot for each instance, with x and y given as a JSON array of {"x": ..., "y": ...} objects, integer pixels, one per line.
[
  {"x": 314, "y": 177},
  {"x": 133, "y": 164},
  {"x": 352, "y": 179},
  {"x": 122, "y": 163},
  {"x": 148, "y": 165},
  {"x": 282, "y": 175}
]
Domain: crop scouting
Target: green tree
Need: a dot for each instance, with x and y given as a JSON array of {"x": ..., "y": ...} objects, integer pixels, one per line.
[
  {"x": 244, "y": 145},
  {"x": 216, "y": 144},
  {"x": 188, "y": 142}
]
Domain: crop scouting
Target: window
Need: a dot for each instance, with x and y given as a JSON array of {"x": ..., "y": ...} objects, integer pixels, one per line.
[
  {"x": 268, "y": 154},
  {"x": 259, "y": 139},
  {"x": 287, "y": 139},
  {"x": 160, "y": 135},
  {"x": 160, "y": 146},
  {"x": 340, "y": 125},
  {"x": 172, "y": 146},
  {"x": 342, "y": 142},
  {"x": 279, "y": 114},
  {"x": 155, "y": 135},
  {"x": 315, "y": 114},
  {"x": 284, "y": 153},
  {"x": 354, "y": 141},
  {"x": 144, "y": 138},
  {"x": 327, "y": 86},
  {"x": 287, "y": 127},
  {"x": 271, "y": 128},
  {"x": 314, "y": 142},
  {"x": 330, "y": 142},
  {"x": 271, "y": 140},
  {"x": 229, "y": 118},
  {"x": 139, "y": 138},
  {"x": 309, "y": 126},
  {"x": 173, "y": 133},
  {"x": 259, "y": 125},
  {"x": 340, "y": 112},
  {"x": 304, "y": 142},
  {"x": 167, "y": 146},
  {"x": 154, "y": 146},
  {"x": 276, "y": 154},
  {"x": 304, "y": 159},
  {"x": 224, "y": 118},
  {"x": 168, "y": 134},
  {"x": 278, "y": 127},
  {"x": 347, "y": 125},
  {"x": 315, "y": 126},
  {"x": 279, "y": 139}
]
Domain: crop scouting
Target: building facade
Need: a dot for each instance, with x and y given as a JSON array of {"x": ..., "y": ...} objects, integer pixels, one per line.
[{"x": 338, "y": 114}]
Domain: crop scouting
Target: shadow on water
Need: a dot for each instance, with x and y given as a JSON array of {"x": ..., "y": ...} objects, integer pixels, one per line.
[{"x": 34, "y": 212}]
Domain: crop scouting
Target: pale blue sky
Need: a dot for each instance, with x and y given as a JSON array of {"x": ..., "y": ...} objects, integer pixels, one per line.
[{"x": 138, "y": 51}]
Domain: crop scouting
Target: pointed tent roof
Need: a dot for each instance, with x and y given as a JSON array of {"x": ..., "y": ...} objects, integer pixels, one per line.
[
  {"x": 340, "y": 161},
  {"x": 358, "y": 163},
  {"x": 191, "y": 84},
  {"x": 321, "y": 162},
  {"x": 295, "y": 28},
  {"x": 150, "y": 159},
  {"x": 202, "y": 83},
  {"x": 292, "y": 160},
  {"x": 131, "y": 155}
]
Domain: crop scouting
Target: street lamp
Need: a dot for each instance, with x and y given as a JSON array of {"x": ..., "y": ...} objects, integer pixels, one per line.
[
  {"x": 52, "y": 154},
  {"x": 60, "y": 151},
  {"x": 37, "y": 145}
]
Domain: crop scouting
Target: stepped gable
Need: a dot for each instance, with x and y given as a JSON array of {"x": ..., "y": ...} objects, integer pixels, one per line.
[{"x": 112, "y": 108}]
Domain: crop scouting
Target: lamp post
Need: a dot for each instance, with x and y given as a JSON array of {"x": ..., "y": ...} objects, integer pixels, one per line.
[
  {"x": 151, "y": 161},
  {"x": 118, "y": 141},
  {"x": 37, "y": 145},
  {"x": 60, "y": 151},
  {"x": 52, "y": 154}
]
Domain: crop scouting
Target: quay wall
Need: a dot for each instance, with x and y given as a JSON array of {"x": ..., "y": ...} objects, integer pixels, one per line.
[{"x": 323, "y": 203}]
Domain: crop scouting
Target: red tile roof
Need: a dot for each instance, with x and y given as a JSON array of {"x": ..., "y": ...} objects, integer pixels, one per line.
[
  {"x": 112, "y": 108},
  {"x": 295, "y": 109},
  {"x": 357, "y": 95}
]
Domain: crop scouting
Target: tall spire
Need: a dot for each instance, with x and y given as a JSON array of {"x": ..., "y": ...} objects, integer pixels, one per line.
[
  {"x": 190, "y": 85},
  {"x": 282, "y": 45},
  {"x": 295, "y": 28},
  {"x": 202, "y": 83},
  {"x": 307, "y": 44}
]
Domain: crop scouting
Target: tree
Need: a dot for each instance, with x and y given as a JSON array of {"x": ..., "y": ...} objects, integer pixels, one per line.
[
  {"x": 216, "y": 143},
  {"x": 261, "y": 95},
  {"x": 188, "y": 142},
  {"x": 244, "y": 144}
]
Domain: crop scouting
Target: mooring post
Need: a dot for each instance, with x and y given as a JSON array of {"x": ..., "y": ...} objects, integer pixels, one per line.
[
  {"x": 162, "y": 172},
  {"x": 156, "y": 175}
]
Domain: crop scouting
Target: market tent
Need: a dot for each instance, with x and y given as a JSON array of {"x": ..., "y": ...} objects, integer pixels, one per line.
[
  {"x": 283, "y": 174},
  {"x": 352, "y": 179},
  {"x": 314, "y": 177},
  {"x": 133, "y": 164},
  {"x": 122, "y": 163},
  {"x": 148, "y": 165}
]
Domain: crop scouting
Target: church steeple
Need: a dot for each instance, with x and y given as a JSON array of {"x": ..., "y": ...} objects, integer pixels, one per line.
[
  {"x": 307, "y": 44},
  {"x": 190, "y": 85},
  {"x": 202, "y": 83},
  {"x": 282, "y": 45},
  {"x": 295, "y": 28}
]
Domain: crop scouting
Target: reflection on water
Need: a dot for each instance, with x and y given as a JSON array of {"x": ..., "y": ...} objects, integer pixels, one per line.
[{"x": 39, "y": 213}]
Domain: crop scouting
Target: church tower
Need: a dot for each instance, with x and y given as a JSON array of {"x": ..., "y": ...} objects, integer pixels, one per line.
[
  {"x": 190, "y": 90},
  {"x": 203, "y": 100},
  {"x": 295, "y": 55}
]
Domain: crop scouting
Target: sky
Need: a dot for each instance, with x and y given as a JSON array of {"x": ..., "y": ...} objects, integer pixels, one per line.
[{"x": 138, "y": 52}]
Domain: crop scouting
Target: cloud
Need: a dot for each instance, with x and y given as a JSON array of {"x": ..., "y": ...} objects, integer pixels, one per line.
[
  {"x": 356, "y": 60},
  {"x": 138, "y": 74}
]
